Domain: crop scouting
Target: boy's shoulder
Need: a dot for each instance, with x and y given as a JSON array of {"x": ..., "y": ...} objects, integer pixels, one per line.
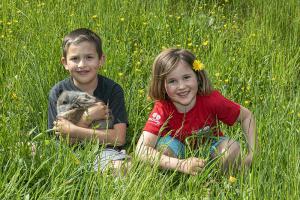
[
  {"x": 107, "y": 85},
  {"x": 58, "y": 88}
]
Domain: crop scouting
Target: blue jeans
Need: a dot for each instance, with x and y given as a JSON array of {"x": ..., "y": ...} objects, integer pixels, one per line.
[{"x": 178, "y": 148}]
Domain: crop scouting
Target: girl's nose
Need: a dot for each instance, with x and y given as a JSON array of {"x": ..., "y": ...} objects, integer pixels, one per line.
[{"x": 181, "y": 85}]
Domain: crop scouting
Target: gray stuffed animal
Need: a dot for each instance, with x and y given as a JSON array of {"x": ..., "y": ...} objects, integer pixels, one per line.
[{"x": 72, "y": 104}]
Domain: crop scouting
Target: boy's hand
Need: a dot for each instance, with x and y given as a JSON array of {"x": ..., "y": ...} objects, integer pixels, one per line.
[
  {"x": 97, "y": 112},
  {"x": 191, "y": 165},
  {"x": 62, "y": 126}
]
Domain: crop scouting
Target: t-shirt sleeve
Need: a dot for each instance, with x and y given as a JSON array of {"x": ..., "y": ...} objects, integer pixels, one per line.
[
  {"x": 117, "y": 105},
  {"x": 226, "y": 110},
  {"x": 157, "y": 118}
]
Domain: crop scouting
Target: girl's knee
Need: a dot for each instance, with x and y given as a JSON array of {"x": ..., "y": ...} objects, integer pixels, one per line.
[{"x": 230, "y": 148}]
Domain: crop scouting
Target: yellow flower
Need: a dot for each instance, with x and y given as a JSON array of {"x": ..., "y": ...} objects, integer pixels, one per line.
[
  {"x": 94, "y": 16},
  {"x": 197, "y": 65},
  {"x": 232, "y": 179},
  {"x": 122, "y": 19},
  {"x": 205, "y": 43},
  {"x": 14, "y": 96}
]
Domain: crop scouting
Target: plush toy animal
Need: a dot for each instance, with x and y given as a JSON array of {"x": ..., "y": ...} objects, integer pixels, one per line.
[{"x": 72, "y": 104}]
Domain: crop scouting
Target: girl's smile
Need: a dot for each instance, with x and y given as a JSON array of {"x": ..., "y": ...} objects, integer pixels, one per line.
[{"x": 182, "y": 87}]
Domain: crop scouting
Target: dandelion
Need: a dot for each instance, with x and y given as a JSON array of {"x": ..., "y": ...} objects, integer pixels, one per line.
[
  {"x": 247, "y": 102},
  {"x": 178, "y": 45},
  {"x": 197, "y": 65},
  {"x": 14, "y": 96},
  {"x": 122, "y": 19},
  {"x": 291, "y": 112},
  {"x": 217, "y": 74},
  {"x": 226, "y": 80},
  {"x": 94, "y": 17},
  {"x": 205, "y": 43},
  {"x": 76, "y": 161},
  {"x": 232, "y": 179},
  {"x": 120, "y": 74}
]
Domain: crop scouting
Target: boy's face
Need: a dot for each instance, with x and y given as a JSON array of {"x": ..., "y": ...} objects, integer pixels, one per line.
[{"x": 83, "y": 62}]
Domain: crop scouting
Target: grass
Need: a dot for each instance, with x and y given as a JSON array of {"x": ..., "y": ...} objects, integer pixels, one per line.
[{"x": 251, "y": 52}]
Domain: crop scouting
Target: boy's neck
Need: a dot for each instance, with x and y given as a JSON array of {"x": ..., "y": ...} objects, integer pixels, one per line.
[{"x": 88, "y": 87}]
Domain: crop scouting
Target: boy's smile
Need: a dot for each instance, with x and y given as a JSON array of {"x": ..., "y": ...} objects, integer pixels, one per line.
[
  {"x": 83, "y": 62},
  {"x": 182, "y": 86}
]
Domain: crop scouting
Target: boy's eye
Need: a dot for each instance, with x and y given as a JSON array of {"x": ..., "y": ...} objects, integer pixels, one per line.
[{"x": 74, "y": 58}]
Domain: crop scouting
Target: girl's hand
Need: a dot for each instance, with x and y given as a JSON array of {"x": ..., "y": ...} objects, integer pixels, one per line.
[
  {"x": 191, "y": 165},
  {"x": 97, "y": 112},
  {"x": 63, "y": 127}
]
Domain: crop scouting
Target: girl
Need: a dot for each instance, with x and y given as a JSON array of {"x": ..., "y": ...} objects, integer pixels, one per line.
[{"x": 185, "y": 106}]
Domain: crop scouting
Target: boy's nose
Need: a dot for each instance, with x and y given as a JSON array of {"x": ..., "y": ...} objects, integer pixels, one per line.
[{"x": 81, "y": 63}]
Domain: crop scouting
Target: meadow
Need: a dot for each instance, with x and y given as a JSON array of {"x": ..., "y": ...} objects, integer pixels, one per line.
[{"x": 250, "y": 50}]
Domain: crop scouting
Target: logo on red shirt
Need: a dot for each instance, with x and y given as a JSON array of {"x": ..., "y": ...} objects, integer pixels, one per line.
[{"x": 155, "y": 117}]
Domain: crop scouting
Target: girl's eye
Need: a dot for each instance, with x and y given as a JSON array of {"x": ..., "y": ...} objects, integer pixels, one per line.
[
  {"x": 171, "y": 81},
  {"x": 186, "y": 77}
]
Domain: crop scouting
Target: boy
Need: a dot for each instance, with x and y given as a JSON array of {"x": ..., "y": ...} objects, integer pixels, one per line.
[{"x": 82, "y": 57}]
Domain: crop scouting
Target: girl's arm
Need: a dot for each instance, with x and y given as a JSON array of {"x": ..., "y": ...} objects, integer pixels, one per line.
[
  {"x": 114, "y": 137},
  {"x": 147, "y": 152},
  {"x": 248, "y": 125}
]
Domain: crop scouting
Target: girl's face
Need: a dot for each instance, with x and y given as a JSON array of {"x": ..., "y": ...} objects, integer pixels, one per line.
[
  {"x": 182, "y": 86},
  {"x": 83, "y": 62}
]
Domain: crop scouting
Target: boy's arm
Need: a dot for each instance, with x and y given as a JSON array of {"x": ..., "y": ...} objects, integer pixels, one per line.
[
  {"x": 248, "y": 125},
  {"x": 147, "y": 152},
  {"x": 114, "y": 137}
]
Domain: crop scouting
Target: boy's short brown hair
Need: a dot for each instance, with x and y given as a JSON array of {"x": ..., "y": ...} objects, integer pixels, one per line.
[{"x": 80, "y": 35}]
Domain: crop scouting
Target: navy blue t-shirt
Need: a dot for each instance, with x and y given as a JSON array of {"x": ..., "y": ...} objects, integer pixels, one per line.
[{"x": 110, "y": 92}]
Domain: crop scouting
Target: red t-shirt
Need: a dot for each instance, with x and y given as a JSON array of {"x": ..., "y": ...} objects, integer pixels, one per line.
[{"x": 208, "y": 110}]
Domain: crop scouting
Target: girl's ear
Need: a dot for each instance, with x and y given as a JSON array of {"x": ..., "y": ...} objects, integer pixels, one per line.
[
  {"x": 102, "y": 59},
  {"x": 63, "y": 61}
]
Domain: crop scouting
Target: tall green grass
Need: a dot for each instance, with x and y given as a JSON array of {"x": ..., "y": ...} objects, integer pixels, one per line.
[{"x": 250, "y": 50}]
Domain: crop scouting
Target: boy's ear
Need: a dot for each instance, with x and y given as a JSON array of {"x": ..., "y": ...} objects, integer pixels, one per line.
[{"x": 63, "y": 61}]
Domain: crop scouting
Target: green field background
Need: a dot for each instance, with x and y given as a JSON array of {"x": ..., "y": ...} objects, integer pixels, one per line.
[{"x": 250, "y": 50}]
